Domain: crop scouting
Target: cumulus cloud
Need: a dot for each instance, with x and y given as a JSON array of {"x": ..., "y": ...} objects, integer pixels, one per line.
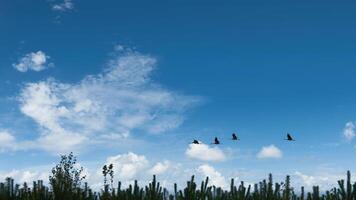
[
  {"x": 270, "y": 151},
  {"x": 307, "y": 180},
  {"x": 215, "y": 177},
  {"x": 105, "y": 107},
  {"x": 36, "y": 61},
  {"x": 349, "y": 131},
  {"x": 65, "y": 5},
  {"x": 128, "y": 166},
  {"x": 27, "y": 176},
  {"x": 160, "y": 167},
  {"x": 325, "y": 180},
  {"x": 205, "y": 153}
]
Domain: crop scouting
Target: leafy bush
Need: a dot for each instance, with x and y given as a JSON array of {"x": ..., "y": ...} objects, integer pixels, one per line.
[{"x": 66, "y": 179}]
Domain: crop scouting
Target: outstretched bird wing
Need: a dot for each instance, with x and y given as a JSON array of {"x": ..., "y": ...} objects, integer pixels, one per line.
[
  {"x": 216, "y": 141},
  {"x": 289, "y": 137},
  {"x": 234, "y": 136}
]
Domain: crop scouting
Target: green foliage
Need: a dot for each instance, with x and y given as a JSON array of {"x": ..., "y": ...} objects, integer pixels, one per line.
[
  {"x": 66, "y": 184},
  {"x": 66, "y": 179}
]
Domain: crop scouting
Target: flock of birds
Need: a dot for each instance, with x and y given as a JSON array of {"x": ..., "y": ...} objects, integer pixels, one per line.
[{"x": 235, "y": 138}]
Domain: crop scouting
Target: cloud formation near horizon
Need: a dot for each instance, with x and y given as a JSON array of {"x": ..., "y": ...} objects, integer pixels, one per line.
[
  {"x": 128, "y": 166},
  {"x": 215, "y": 177}
]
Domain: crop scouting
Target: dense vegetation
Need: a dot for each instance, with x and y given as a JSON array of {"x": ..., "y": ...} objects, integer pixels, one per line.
[{"x": 66, "y": 184}]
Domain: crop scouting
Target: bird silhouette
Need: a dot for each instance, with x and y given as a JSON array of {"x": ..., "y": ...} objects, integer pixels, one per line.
[
  {"x": 195, "y": 142},
  {"x": 234, "y": 137},
  {"x": 289, "y": 137},
  {"x": 216, "y": 141}
]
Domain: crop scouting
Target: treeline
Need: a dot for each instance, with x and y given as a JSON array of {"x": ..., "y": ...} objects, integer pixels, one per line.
[{"x": 66, "y": 183}]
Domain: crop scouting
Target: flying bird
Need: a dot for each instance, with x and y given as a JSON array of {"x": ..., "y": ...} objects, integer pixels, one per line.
[
  {"x": 234, "y": 137},
  {"x": 195, "y": 142},
  {"x": 289, "y": 137},
  {"x": 216, "y": 141}
]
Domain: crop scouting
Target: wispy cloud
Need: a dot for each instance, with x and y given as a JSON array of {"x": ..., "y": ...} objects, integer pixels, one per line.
[
  {"x": 7, "y": 141},
  {"x": 65, "y": 5},
  {"x": 35, "y": 61},
  {"x": 205, "y": 153},
  {"x": 349, "y": 131},
  {"x": 105, "y": 107},
  {"x": 270, "y": 151}
]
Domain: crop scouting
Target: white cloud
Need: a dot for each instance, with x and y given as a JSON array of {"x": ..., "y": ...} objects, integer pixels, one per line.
[
  {"x": 349, "y": 131},
  {"x": 324, "y": 179},
  {"x": 28, "y": 176},
  {"x": 205, "y": 153},
  {"x": 6, "y": 138},
  {"x": 105, "y": 108},
  {"x": 160, "y": 167},
  {"x": 131, "y": 166},
  {"x": 7, "y": 141},
  {"x": 36, "y": 61},
  {"x": 270, "y": 151},
  {"x": 61, "y": 142},
  {"x": 65, "y": 5},
  {"x": 128, "y": 166},
  {"x": 307, "y": 180},
  {"x": 215, "y": 177}
]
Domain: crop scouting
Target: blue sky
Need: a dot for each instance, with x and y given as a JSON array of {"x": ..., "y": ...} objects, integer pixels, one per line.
[{"x": 134, "y": 82}]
